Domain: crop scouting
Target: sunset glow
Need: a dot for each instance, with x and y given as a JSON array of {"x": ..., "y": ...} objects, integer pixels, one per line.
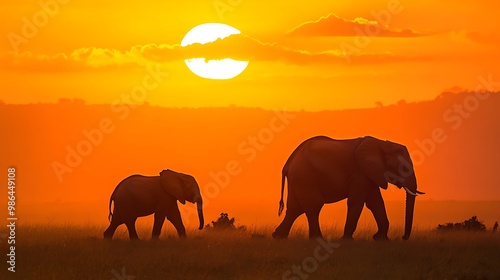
[
  {"x": 222, "y": 69},
  {"x": 400, "y": 98},
  {"x": 324, "y": 49}
]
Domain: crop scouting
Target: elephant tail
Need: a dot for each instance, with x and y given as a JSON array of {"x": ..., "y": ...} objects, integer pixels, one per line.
[
  {"x": 110, "y": 215},
  {"x": 111, "y": 199},
  {"x": 282, "y": 205}
]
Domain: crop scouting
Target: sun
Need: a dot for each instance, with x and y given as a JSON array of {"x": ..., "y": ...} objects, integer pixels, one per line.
[{"x": 223, "y": 69}]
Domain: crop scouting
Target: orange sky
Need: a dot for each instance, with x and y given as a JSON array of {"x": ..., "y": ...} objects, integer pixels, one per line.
[{"x": 300, "y": 53}]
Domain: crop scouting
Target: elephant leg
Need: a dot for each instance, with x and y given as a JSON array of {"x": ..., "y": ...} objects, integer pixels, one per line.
[
  {"x": 131, "y": 229},
  {"x": 110, "y": 231},
  {"x": 174, "y": 216},
  {"x": 283, "y": 229},
  {"x": 293, "y": 211},
  {"x": 313, "y": 219},
  {"x": 158, "y": 224},
  {"x": 375, "y": 203},
  {"x": 354, "y": 207},
  {"x": 116, "y": 221}
]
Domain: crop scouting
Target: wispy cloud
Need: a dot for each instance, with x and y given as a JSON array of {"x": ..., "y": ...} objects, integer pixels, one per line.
[
  {"x": 80, "y": 59},
  {"x": 239, "y": 47},
  {"x": 335, "y": 26},
  {"x": 242, "y": 47}
]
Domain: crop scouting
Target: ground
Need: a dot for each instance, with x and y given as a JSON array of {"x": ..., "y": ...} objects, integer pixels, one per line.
[{"x": 79, "y": 252}]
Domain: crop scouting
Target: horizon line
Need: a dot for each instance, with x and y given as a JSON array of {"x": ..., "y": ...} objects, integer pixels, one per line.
[{"x": 377, "y": 105}]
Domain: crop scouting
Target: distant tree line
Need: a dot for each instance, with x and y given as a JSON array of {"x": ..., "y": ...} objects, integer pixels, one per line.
[{"x": 69, "y": 101}]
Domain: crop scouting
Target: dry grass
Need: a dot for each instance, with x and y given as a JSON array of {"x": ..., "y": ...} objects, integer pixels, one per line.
[{"x": 79, "y": 252}]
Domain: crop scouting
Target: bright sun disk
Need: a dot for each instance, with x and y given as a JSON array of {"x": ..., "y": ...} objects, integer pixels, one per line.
[{"x": 223, "y": 69}]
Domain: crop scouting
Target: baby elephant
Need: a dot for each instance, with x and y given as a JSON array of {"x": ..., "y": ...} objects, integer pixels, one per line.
[{"x": 138, "y": 196}]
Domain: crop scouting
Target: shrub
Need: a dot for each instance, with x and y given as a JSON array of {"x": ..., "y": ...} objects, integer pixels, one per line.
[
  {"x": 472, "y": 224},
  {"x": 225, "y": 223}
]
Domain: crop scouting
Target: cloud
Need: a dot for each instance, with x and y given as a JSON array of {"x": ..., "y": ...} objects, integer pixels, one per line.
[
  {"x": 335, "y": 26},
  {"x": 80, "y": 59},
  {"x": 483, "y": 38},
  {"x": 242, "y": 47},
  {"x": 239, "y": 47}
]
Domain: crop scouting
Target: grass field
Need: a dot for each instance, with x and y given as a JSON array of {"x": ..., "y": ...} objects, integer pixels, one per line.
[{"x": 79, "y": 252}]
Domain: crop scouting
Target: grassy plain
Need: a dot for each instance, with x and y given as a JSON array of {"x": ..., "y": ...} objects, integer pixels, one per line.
[{"x": 79, "y": 252}]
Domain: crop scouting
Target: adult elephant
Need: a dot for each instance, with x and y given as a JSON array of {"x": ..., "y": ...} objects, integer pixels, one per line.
[
  {"x": 324, "y": 170},
  {"x": 138, "y": 196}
]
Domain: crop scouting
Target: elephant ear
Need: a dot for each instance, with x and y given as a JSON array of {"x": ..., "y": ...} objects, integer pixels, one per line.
[
  {"x": 172, "y": 184},
  {"x": 370, "y": 159},
  {"x": 392, "y": 151},
  {"x": 191, "y": 188}
]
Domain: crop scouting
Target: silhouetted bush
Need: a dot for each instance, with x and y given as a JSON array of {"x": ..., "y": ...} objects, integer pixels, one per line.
[
  {"x": 495, "y": 227},
  {"x": 472, "y": 224},
  {"x": 224, "y": 223}
]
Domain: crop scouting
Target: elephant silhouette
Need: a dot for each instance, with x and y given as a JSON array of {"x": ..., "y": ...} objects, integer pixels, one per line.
[
  {"x": 324, "y": 170},
  {"x": 138, "y": 196}
]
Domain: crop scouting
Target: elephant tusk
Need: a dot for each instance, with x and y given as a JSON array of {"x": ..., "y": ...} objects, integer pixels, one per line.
[
  {"x": 419, "y": 192},
  {"x": 410, "y": 192}
]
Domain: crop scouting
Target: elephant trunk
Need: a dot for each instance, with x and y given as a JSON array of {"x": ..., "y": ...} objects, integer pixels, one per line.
[
  {"x": 199, "y": 205},
  {"x": 410, "y": 206}
]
